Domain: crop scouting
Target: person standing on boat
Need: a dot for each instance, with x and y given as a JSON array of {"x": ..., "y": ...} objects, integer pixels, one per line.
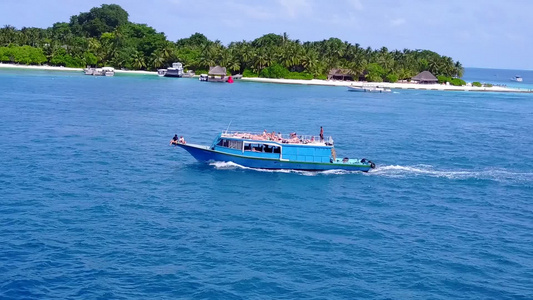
[{"x": 321, "y": 134}]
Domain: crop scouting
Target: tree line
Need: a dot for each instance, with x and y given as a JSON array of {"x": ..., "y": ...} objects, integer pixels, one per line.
[{"x": 105, "y": 37}]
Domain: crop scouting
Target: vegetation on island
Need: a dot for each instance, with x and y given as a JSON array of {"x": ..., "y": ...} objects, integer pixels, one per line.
[{"x": 105, "y": 37}]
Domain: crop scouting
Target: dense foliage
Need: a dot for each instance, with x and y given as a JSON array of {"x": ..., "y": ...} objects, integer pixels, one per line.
[
  {"x": 451, "y": 80},
  {"x": 104, "y": 36}
]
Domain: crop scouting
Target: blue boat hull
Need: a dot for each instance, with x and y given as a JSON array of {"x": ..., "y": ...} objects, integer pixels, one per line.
[{"x": 205, "y": 154}]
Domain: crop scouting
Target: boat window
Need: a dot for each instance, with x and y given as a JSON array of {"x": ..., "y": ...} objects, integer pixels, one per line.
[
  {"x": 262, "y": 148},
  {"x": 234, "y": 144},
  {"x": 253, "y": 147},
  {"x": 230, "y": 144}
]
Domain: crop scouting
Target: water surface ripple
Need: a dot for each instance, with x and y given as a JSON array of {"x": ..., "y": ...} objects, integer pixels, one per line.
[{"x": 96, "y": 205}]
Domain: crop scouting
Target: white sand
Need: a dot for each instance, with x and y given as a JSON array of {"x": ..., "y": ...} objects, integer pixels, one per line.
[
  {"x": 54, "y": 68},
  {"x": 415, "y": 86}
]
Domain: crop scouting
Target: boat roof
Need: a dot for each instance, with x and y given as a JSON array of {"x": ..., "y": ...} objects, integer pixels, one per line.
[{"x": 269, "y": 137}]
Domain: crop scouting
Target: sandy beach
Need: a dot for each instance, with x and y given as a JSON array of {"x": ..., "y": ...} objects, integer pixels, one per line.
[
  {"x": 54, "y": 68},
  {"x": 402, "y": 86}
]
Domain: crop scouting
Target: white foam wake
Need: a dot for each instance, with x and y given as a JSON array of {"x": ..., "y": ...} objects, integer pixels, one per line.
[
  {"x": 397, "y": 171},
  {"x": 425, "y": 170},
  {"x": 222, "y": 165}
]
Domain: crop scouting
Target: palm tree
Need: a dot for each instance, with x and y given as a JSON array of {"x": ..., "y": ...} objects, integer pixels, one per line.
[
  {"x": 310, "y": 61},
  {"x": 260, "y": 61},
  {"x": 459, "y": 70},
  {"x": 7, "y": 35},
  {"x": 138, "y": 61},
  {"x": 157, "y": 59}
]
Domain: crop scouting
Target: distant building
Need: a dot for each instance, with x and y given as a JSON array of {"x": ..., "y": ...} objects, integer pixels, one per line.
[
  {"x": 340, "y": 74},
  {"x": 217, "y": 73},
  {"x": 425, "y": 77}
]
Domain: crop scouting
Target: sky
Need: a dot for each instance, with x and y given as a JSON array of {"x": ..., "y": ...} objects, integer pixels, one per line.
[{"x": 478, "y": 33}]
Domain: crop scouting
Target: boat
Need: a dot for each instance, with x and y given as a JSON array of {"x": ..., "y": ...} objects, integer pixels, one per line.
[
  {"x": 105, "y": 71},
  {"x": 188, "y": 74},
  {"x": 203, "y": 77},
  {"x": 175, "y": 71},
  {"x": 369, "y": 89},
  {"x": 274, "y": 151},
  {"x": 108, "y": 71},
  {"x": 88, "y": 71},
  {"x": 161, "y": 72},
  {"x": 517, "y": 79}
]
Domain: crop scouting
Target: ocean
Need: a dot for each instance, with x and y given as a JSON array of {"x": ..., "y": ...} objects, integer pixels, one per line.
[{"x": 95, "y": 203}]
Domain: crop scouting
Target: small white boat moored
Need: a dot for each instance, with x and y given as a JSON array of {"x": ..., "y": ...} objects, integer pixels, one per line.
[
  {"x": 105, "y": 71},
  {"x": 161, "y": 72},
  {"x": 108, "y": 71},
  {"x": 369, "y": 89},
  {"x": 517, "y": 79}
]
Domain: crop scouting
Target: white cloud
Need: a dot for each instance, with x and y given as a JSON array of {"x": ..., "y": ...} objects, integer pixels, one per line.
[
  {"x": 355, "y": 4},
  {"x": 254, "y": 12},
  {"x": 295, "y": 8},
  {"x": 397, "y": 22}
]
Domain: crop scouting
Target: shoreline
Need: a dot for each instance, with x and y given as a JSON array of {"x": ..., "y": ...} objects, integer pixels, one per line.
[
  {"x": 55, "y": 68},
  {"x": 399, "y": 86},
  {"x": 319, "y": 82}
]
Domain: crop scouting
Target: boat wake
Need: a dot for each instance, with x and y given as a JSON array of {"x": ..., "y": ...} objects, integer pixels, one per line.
[
  {"x": 396, "y": 171},
  {"x": 221, "y": 165},
  {"x": 500, "y": 175}
]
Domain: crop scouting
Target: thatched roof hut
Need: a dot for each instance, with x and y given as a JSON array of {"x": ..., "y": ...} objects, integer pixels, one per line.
[
  {"x": 425, "y": 77},
  {"x": 217, "y": 71},
  {"x": 340, "y": 74}
]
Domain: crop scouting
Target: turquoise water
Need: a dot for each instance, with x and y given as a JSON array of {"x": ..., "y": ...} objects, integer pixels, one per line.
[
  {"x": 96, "y": 204},
  {"x": 500, "y": 77}
]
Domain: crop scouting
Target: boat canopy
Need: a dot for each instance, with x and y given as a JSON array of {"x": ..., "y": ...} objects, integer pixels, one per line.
[{"x": 291, "y": 138}]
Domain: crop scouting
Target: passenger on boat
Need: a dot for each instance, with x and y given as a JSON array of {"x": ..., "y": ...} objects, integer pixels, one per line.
[
  {"x": 182, "y": 140},
  {"x": 321, "y": 134},
  {"x": 174, "y": 140}
]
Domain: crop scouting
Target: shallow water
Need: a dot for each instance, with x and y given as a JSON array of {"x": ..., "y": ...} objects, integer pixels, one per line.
[{"x": 96, "y": 204}]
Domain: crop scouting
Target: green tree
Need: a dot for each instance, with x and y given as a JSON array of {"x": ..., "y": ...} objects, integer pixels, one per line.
[{"x": 99, "y": 20}]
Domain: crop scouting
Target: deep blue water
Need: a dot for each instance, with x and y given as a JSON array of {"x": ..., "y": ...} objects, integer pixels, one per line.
[{"x": 96, "y": 205}]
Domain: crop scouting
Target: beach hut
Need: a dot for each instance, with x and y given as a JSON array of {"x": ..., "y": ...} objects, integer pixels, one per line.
[
  {"x": 340, "y": 74},
  {"x": 425, "y": 77},
  {"x": 217, "y": 74}
]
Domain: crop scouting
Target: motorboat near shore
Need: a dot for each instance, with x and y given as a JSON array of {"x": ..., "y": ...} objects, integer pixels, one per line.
[
  {"x": 517, "y": 79},
  {"x": 175, "y": 71},
  {"x": 274, "y": 151},
  {"x": 369, "y": 89},
  {"x": 105, "y": 71}
]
